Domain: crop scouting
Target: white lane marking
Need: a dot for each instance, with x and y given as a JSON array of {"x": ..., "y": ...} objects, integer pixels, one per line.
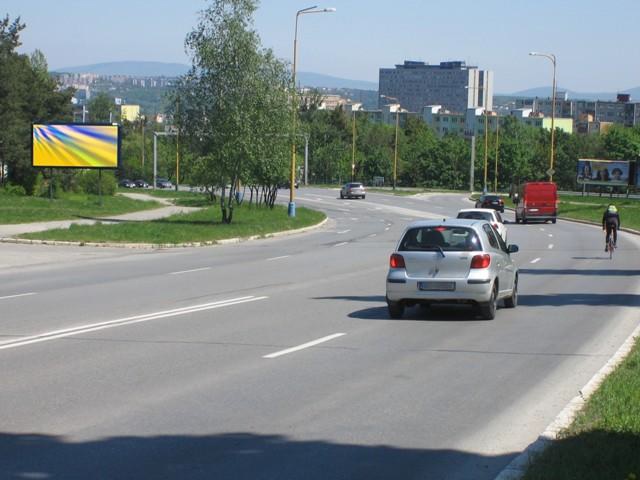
[
  {"x": 343, "y": 210},
  {"x": 550, "y": 246},
  {"x": 373, "y": 235},
  {"x": 355, "y": 219},
  {"x": 378, "y": 208},
  {"x": 190, "y": 271},
  {"x": 304, "y": 345},
  {"x": 536, "y": 260},
  {"x": 343, "y": 231},
  {"x": 68, "y": 332},
  {"x": 340, "y": 244},
  {"x": 541, "y": 229},
  {"x": 386, "y": 229},
  {"x": 278, "y": 258},
  {"x": 18, "y": 295}
]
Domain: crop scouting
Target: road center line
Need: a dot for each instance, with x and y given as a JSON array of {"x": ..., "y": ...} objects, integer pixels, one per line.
[
  {"x": 68, "y": 332},
  {"x": 304, "y": 345},
  {"x": 18, "y": 295},
  {"x": 278, "y": 258},
  {"x": 550, "y": 246},
  {"x": 536, "y": 260},
  {"x": 340, "y": 244},
  {"x": 190, "y": 271},
  {"x": 343, "y": 231},
  {"x": 550, "y": 235},
  {"x": 373, "y": 235}
]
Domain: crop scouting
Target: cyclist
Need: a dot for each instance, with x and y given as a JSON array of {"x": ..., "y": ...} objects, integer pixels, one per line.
[{"x": 610, "y": 221}]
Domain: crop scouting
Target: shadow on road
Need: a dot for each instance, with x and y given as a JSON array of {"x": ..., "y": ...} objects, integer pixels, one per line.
[
  {"x": 588, "y": 299},
  {"x": 604, "y": 272},
  {"x": 233, "y": 456},
  {"x": 355, "y": 298}
]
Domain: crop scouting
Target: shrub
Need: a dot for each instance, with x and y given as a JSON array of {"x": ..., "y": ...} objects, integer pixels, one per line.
[
  {"x": 14, "y": 190},
  {"x": 89, "y": 182}
]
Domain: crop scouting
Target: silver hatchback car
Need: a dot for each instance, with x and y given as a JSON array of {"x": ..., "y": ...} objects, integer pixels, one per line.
[
  {"x": 452, "y": 261},
  {"x": 353, "y": 190}
]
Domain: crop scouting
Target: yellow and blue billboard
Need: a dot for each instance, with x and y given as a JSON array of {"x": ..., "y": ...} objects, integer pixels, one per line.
[{"x": 75, "y": 146}]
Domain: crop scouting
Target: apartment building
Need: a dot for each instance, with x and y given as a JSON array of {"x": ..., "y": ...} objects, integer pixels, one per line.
[{"x": 453, "y": 85}]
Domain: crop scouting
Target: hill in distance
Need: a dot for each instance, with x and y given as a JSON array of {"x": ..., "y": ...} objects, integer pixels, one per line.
[
  {"x": 158, "y": 69},
  {"x": 545, "y": 92},
  {"x": 131, "y": 68}
]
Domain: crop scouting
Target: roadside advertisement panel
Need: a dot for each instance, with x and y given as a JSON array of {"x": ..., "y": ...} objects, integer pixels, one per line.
[
  {"x": 603, "y": 172},
  {"x": 75, "y": 146}
]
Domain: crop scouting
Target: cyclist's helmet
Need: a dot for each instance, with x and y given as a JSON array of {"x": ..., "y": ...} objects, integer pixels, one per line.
[{"x": 612, "y": 209}]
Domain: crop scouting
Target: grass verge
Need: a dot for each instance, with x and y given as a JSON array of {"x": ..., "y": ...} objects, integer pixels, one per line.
[
  {"x": 200, "y": 226},
  {"x": 604, "y": 440},
  {"x": 24, "y": 209},
  {"x": 592, "y": 208}
]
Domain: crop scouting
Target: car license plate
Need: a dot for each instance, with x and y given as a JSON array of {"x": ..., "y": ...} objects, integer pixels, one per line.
[
  {"x": 533, "y": 209},
  {"x": 437, "y": 286}
]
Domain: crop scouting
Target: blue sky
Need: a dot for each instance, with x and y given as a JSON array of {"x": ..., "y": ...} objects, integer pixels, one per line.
[{"x": 596, "y": 42}]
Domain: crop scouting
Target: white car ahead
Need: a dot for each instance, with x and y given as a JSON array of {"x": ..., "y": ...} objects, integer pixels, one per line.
[{"x": 489, "y": 214}]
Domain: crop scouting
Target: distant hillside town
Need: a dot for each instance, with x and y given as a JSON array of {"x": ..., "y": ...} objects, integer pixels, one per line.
[{"x": 451, "y": 97}]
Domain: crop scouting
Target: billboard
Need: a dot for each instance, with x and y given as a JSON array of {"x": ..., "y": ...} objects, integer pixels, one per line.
[
  {"x": 75, "y": 146},
  {"x": 603, "y": 172}
]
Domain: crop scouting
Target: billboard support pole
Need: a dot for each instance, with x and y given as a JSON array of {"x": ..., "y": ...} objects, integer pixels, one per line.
[
  {"x": 100, "y": 187},
  {"x": 50, "y": 184}
]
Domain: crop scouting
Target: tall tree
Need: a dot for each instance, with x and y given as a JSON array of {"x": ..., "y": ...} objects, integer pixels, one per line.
[
  {"x": 27, "y": 95},
  {"x": 234, "y": 101}
]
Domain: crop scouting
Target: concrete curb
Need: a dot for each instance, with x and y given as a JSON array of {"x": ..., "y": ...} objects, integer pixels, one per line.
[
  {"x": 225, "y": 241},
  {"x": 518, "y": 466}
]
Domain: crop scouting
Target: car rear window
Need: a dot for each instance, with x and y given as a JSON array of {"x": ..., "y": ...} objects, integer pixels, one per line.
[
  {"x": 476, "y": 216},
  {"x": 447, "y": 238},
  {"x": 492, "y": 198},
  {"x": 355, "y": 185}
]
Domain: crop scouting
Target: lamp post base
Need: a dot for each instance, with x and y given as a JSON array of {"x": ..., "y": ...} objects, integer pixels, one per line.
[{"x": 292, "y": 209}]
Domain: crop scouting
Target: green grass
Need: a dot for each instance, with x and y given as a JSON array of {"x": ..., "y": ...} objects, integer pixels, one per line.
[
  {"x": 592, "y": 208},
  {"x": 604, "y": 440},
  {"x": 25, "y": 209},
  {"x": 200, "y": 226}
]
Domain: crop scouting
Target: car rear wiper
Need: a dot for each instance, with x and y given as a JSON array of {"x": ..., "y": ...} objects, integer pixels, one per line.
[{"x": 436, "y": 247}]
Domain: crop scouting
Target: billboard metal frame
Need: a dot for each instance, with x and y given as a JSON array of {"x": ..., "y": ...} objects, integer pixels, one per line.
[{"x": 119, "y": 149}]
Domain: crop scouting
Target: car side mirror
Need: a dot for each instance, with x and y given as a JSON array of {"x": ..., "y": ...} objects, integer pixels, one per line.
[{"x": 513, "y": 249}]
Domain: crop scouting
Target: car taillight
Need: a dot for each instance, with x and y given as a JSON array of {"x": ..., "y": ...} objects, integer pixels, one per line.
[
  {"x": 481, "y": 261},
  {"x": 396, "y": 261}
]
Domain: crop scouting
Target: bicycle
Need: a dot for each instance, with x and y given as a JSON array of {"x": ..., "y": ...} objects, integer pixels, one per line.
[{"x": 611, "y": 246}]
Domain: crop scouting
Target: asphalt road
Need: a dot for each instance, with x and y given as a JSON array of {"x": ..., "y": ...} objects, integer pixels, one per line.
[{"x": 182, "y": 363}]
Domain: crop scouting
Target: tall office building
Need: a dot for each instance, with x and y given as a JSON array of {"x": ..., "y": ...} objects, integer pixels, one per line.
[{"x": 453, "y": 85}]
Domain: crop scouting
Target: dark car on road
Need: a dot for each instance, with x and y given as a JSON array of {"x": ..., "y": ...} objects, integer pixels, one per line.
[
  {"x": 126, "y": 183},
  {"x": 141, "y": 184},
  {"x": 491, "y": 201},
  {"x": 163, "y": 183}
]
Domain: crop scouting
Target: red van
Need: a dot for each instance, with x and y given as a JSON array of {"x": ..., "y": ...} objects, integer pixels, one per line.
[{"x": 537, "y": 201}]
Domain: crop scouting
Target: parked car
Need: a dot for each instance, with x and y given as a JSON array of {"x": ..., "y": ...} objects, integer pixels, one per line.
[
  {"x": 490, "y": 201},
  {"x": 448, "y": 261},
  {"x": 163, "y": 183},
  {"x": 141, "y": 184},
  {"x": 488, "y": 214},
  {"x": 353, "y": 190},
  {"x": 126, "y": 183},
  {"x": 537, "y": 201}
]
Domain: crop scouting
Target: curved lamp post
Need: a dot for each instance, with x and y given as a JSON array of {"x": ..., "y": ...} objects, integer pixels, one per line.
[
  {"x": 551, "y": 57},
  {"x": 292, "y": 179}
]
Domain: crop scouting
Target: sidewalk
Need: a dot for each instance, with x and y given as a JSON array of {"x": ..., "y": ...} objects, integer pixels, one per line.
[{"x": 7, "y": 231}]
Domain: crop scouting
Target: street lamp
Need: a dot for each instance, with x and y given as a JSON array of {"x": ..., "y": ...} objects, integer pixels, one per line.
[
  {"x": 395, "y": 147},
  {"x": 551, "y": 57},
  {"x": 314, "y": 9}
]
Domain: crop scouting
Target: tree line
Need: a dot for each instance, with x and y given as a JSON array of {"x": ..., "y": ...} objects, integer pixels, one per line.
[{"x": 235, "y": 113}]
